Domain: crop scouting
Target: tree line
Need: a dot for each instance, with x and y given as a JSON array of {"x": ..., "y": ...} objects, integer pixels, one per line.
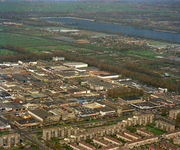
[{"x": 124, "y": 92}]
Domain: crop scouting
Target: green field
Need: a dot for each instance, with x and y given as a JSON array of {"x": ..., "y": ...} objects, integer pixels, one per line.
[
  {"x": 147, "y": 53},
  {"x": 155, "y": 131},
  {"x": 24, "y": 41},
  {"x": 65, "y": 6}
]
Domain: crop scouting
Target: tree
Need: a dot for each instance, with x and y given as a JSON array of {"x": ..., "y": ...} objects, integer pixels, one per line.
[
  {"x": 164, "y": 111},
  {"x": 79, "y": 81},
  {"x": 177, "y": 121}
]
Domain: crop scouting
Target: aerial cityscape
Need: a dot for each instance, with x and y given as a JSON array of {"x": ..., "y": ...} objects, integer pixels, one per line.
[{"x": 90, "y": 75}]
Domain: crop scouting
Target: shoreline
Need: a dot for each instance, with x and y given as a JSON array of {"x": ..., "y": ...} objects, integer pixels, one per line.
[
  {"x": 165, "y": 31},
  {"x": 69, "y": 17}
]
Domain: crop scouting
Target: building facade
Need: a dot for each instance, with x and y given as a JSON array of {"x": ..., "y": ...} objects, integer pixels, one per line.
[{"x": 9, "y": 139}]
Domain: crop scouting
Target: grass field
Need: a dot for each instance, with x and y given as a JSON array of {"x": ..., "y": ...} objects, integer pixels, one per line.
[
  {"x": 147, "y": 53},
  {"x": 155, "y": 131},
  {"x": 24, "y": 41}
]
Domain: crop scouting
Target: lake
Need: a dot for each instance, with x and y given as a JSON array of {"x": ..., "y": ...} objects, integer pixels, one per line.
[{"x": 117, "y": 28}]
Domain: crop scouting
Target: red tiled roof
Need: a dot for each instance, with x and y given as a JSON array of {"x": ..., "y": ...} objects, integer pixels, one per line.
[
  {"x": 132, "y": 134},
  {"x": 101, "y": 141},
  {"x": 125, "y": 136},
  {"x": 86, "y": 144},
  {"x": 113, "y": 139}
]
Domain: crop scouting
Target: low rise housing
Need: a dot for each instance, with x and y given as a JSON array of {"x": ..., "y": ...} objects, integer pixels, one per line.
[
  {"x": 76, "y": 147},
  {"x": 112, "y": 147},
  {"x": 132, "y": 135},
  {"x": 153, "y": 147},
  {"x": 171, "y": 134},
  {"x": 124, "y": 137},
  {"x": 169, "y": 146},
  {"x": 101, "y": 142},
  {"x": 144, "y": 132},
  {"x": 112, "y": 140},
  {"x": 86, "y": 146},
  {"x": 137, "y": 143}
]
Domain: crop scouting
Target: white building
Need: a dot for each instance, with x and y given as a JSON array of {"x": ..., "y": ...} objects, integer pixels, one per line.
[{"x": 76, "y": 65}]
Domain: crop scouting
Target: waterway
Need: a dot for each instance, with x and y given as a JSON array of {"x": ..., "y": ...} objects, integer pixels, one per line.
[{"x": 117, "y": 28}]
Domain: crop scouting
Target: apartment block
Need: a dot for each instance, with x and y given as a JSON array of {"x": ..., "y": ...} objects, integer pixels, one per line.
[
  {"x": 79, "y": 134},
  {"x": 173, "y": 113},
  {"x": 9, "y": 139},
  {"x": 164, "y": 125},
  {"x": 137, "y": 120}
]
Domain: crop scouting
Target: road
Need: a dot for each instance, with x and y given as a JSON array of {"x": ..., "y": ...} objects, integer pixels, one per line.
[{"x": 24, "y": 133}]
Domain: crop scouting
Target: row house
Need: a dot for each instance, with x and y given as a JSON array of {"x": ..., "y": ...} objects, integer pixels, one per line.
[
  {"x": 171, "y": 134},
  {"x": 9, "y": 140},
  {"x": 173, "y": 113},
  {"x": 169, "y": 146},
  {"x": 153, "y": 147},
  {"x": 124, "y": 137},
  {"x": 74, "y": 146},
  {"x": 101, "y": 142},
  {"x": 112, "y": 147},
  {"x": 86, "y": 146},
  {"x": 164, "y": 125},
  {"x": 132, "y": 135},
  {"x": 144, "y": 132},
  {"x": 112, "y": 140},
  {"x": 137, "y": 143}
]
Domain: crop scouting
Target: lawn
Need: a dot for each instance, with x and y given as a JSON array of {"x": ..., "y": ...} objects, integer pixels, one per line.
[{"x": 155, "y": 131}]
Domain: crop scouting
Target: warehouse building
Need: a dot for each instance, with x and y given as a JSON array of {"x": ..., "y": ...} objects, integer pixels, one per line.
[
  {"x": 76, "y": 65},
  {"x": 43, "y": 116}
]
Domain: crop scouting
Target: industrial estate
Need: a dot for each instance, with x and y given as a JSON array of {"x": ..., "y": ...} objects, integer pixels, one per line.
[
  {"x": 87, "y": 75},
  {"x": 65, "y": 105}
]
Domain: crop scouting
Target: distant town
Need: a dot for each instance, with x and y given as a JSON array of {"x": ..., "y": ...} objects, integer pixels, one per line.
[{"x": 60, "y": 104}]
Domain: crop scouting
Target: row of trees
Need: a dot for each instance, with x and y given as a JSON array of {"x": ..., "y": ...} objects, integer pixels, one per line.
[{"x": 124, "y": 92}]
